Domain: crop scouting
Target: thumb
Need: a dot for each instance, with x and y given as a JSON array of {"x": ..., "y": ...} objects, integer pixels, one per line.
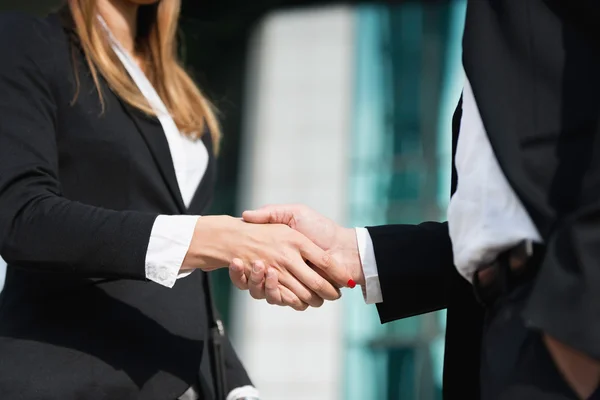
[
  {"x": 328, "y": 265},
  {"x": 268, "y": 215}
]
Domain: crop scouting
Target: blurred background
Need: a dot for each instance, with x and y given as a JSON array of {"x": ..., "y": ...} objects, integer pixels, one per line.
[{"x": 345, "y": 107}]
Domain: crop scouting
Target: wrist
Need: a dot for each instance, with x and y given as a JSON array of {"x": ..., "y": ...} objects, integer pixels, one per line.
[
  {"x": 210, "y": 246},
  {"x": 349, "y": 256}
]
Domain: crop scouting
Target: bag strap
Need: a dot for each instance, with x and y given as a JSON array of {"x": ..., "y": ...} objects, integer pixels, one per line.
[{"x": 217, "y": 339}]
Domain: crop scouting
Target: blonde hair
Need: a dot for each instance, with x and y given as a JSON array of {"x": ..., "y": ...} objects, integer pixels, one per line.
[{"x": 190, "y": 109}]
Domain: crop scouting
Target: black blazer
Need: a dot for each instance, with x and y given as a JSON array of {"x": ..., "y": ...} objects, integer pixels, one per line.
[
  {"x": 534, "y": 66},
  {"x": 79, "y": 193}
]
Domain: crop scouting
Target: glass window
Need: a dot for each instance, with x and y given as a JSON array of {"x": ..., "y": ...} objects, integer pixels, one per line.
[{"x": 407, "y": 63}]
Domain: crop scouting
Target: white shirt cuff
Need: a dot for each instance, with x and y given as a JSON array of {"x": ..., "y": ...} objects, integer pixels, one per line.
[
  {"x": 372, "y": 288},
  {"x": 242, "y": 392},
  {"x": 169, "y": 243}
]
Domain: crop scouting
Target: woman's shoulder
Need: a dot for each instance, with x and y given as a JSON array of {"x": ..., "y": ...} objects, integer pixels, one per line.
[
  {"x": 33, "y": 46},
  {"x": 22, "y": 33}
]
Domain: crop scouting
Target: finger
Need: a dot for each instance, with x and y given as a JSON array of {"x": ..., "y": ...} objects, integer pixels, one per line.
[
  {"x": 269, "y": 215},
  {"x": 272, "y": 292},
  {"x": 291, "y": 300},
  {"x": 280, "y": 295},
  {"x": 308, "y": 276},
  {"x": 300, "y": 290},
  {"x": 307, "y": 284},
  {"x": 318, "y": 271},
  {"x": 261, "y": 216},
  {"x": 256, "y": 283},
  {"x": 237, "y": 274},
  {"x": 326, "y": 264}
]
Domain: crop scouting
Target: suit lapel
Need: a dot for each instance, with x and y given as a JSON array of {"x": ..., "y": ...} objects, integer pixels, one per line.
[
  {"x": 152, "y": 132},
  {"x": 456, "y": 118},
  {"x": 203, "y": 196},
  {"x": 154, "y": 136}
]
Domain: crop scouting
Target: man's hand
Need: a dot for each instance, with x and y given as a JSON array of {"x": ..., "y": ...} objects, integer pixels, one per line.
[
  {"x": 579, "y": 370},
  {"x": 263, "y": 283},
  {"x": 339, "y": 242}
]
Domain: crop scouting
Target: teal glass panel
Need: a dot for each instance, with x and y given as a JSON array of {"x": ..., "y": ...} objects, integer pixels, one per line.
[
  {"x": 407, "y": 64},
  {"x": 452, "y": 85},
  {"x": 369, "y": 177}
]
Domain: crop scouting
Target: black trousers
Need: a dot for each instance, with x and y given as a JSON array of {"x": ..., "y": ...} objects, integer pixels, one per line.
[{"x": 515, "y": 363}]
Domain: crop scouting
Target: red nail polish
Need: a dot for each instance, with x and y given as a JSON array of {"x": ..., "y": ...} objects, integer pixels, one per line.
[{"x": 351, "y": 283}]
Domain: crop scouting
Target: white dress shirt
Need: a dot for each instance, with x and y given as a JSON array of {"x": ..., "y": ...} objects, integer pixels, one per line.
[
  {"x": 171, "y": 235},
  {"x": 485, "y": 216}
]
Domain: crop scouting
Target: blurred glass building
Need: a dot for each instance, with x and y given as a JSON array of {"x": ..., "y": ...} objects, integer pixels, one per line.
[{"x": 347, "y": 109}]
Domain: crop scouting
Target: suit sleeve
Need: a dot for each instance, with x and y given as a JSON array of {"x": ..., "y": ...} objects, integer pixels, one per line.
[
  {"x": 415, "y": 268},
  {"x": 39, "y": 228}
]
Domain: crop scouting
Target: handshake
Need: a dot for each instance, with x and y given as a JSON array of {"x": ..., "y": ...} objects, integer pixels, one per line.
[{"x": 289, "y": 255}]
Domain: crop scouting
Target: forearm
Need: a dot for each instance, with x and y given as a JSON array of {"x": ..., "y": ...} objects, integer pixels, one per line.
[
  {"x": 54, "y": 234},
  {"x": 415, "y": 268},
  {"x": 213, "y": 243},
  {"x": 179, "y": 244},
  {"x": 63, "y": 236}
]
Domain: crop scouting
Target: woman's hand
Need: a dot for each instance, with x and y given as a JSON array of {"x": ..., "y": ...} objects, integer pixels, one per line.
[
  {"x": 219, "y": 239},
  {"x": 263, "y": 283}
]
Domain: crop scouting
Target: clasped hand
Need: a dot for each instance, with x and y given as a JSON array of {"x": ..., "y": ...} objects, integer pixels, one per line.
[{"x": 329, "y": 261}]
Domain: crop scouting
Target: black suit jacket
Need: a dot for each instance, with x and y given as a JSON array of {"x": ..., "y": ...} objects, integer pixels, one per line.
[
  {"x": 79, "y": 193},
  {"x": 534, "y": 67}
]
